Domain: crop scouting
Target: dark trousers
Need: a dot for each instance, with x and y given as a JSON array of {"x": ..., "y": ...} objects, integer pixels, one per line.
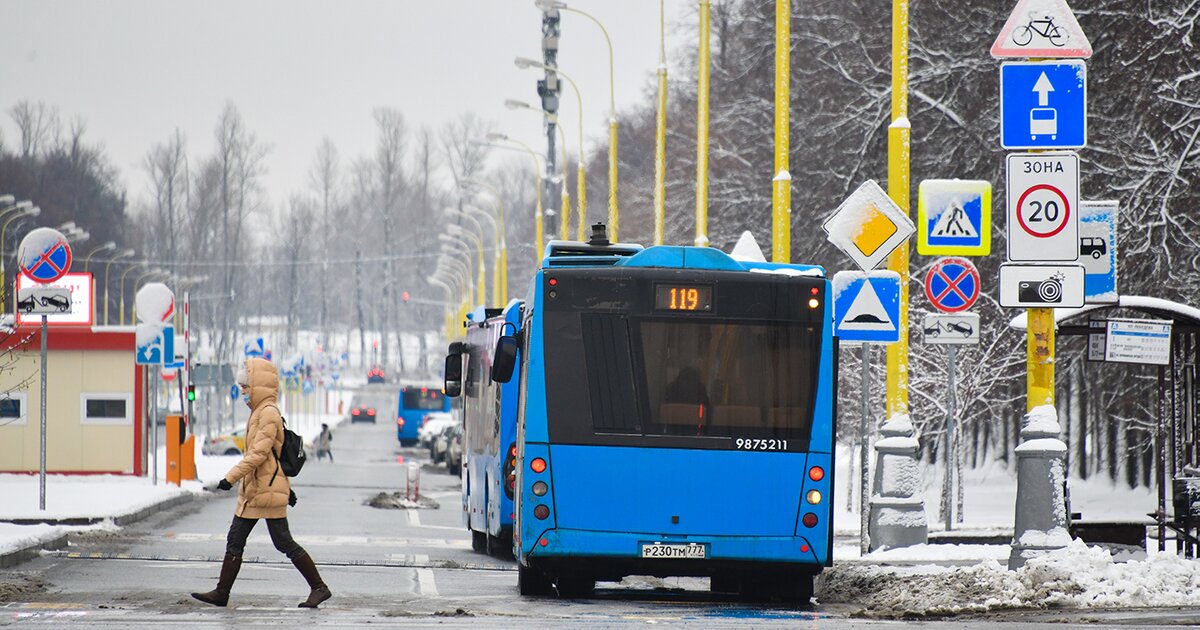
[{"x": 240, "y": 529}]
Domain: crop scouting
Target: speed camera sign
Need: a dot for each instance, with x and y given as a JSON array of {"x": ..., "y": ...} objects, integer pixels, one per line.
[{"x": 1043, "y": 207}]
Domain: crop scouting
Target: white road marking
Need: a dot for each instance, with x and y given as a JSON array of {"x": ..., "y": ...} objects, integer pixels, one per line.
[
  {"x": 413, "y": 517},
  {"x": 422, "y": 558},
  {"x": 343, "y": 540},
  {"x": 425, "y": 582}
]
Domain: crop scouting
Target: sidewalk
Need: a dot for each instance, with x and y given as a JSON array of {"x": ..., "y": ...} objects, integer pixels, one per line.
[
  {"x": 76, "y": 503},
  {"x": 81, "y": 503}
]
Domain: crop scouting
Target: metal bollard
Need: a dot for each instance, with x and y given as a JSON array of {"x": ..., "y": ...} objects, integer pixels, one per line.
[
  {"x": 1041, "y": 511},
  {"x": 897, "y": 516},
  {"x": 412, "y": 490}
]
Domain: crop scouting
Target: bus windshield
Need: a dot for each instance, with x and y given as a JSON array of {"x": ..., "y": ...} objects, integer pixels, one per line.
[
  {"x": 720, "y": 378},
  {"x": 423, "y": 399}
]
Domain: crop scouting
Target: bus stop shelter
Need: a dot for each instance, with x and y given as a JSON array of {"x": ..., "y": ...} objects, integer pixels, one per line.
[{"x": 1176, "y": 427}]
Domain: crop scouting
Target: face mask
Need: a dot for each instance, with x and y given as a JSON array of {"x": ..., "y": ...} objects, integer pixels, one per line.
[{"x": 246, "y": 398}]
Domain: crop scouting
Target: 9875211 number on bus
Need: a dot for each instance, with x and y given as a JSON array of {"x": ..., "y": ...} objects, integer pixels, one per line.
[{"x": 756, "y": 444}]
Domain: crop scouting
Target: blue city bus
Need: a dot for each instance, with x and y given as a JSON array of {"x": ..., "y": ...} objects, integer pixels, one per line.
[
  {"x": 676, "y": 418},
  {"x": 417, "y": 401},
  {"x": 489, "y": 413}
]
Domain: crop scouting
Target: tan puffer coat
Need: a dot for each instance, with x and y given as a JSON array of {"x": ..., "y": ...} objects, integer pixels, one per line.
[{"x": 259, "y": 496}]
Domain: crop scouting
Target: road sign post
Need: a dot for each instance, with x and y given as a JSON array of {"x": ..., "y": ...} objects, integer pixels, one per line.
[
  {"x": 1043, "y": 105},
  {"x": 44, "y": 256}
]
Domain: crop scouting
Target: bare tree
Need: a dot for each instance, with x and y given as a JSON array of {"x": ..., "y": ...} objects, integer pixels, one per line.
[
  {"x": 390, "y": 179},
  {"x": 37, "y": 125},
  {"x": 167, "y": 166},
  {"x": 324, "y": 178}
]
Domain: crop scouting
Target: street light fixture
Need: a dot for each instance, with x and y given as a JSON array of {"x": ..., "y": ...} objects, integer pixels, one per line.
[
  {"x": 501, "y": 226},
  {"x": 613, "y": 214},
  {"x": 23, "y": 209},
  {"x": 581, "y": 179}
]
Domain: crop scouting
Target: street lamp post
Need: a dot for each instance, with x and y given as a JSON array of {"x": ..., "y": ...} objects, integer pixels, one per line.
[
  {"x": 87, "y": 260},
  {"x": 499, "y": 203},
  {"x": 476, "y": 237},
  {"x": 470, "y": 212},
  {"x": 580, "y": 178},
  {"x": 125, "y": 273},
  {"x": 453, "y": 238},
  {"x": 613, "y": 214},
  {"x": 539, "y": 234},
  {"x": 660, "y": 134},
  {"x": 22, "y": 209},
  {"x": 119, "y": 255},
  {"x": 702, "y": 129},
  {"x": 565, "y": 218}
]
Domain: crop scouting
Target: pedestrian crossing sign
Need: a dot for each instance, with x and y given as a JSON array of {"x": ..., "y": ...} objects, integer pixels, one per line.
[{"x": 954, "y": 217}]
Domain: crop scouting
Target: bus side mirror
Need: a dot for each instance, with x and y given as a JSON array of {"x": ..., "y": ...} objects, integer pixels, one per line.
[
  {"x": 505, "y": 359},
  {"x": 453, "y": 384}
]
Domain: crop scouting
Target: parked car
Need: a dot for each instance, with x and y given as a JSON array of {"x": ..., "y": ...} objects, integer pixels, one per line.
[
  {"x": 454, "y": 450},
  {"x": 227, "y": 444},
  {"x": 431, "y": 425},
  {"x": 441, "y": 443}
]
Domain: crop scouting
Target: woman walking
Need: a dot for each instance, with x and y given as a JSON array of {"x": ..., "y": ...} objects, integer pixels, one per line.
[
  {"x": 323, "y": 443},
  {"x": 265, "y": 492}
]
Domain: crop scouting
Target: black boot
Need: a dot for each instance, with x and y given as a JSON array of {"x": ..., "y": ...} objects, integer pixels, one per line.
[
  {"x": 308, "y": 569},
  {"x": 229, "y": 571}
]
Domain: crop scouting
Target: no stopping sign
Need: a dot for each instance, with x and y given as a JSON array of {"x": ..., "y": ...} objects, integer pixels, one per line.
[{"x": 1043, "y": 201}]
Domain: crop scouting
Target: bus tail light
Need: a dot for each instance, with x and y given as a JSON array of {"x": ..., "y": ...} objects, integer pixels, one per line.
[
  {"x": 400, "y": 422},
  {"x": 810, "y": 520},
  {"x": 542, "y": 512},
  {"x": 510, "y": 471},
  {"x": 355, "y": 411},
  {"x": 538, "y": 465},
  {"x": 540, "y": 488},
  {"x": 816, "y": 473},
  {"x": 813, "y": 303},
  {"x": 813, "y": 496}
]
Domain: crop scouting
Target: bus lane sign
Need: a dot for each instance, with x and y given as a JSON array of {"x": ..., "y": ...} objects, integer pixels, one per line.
[{"x": 1043, "y": 207}]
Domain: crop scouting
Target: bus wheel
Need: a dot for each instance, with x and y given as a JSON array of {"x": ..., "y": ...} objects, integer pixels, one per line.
[
  {"x": 496, "y": 547},
  {"x": 531, "y": 582},
  {"x": 574, "y": 588},
  {"x": 479, "y": 541}
]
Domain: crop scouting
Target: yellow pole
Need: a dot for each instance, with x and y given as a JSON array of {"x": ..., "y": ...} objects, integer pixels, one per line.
[
  {"x": 660, "y": 134},
  {"x": 1039, "y": 360},
  {"x": 702, "y": 131},
  {"x": 564, "y": 229},
  {"x": 614, "y": 216},
  {"x": 899, "y": 138},
  {"x": 581, "y": 197},
  {"x": 781, "y": 199}
]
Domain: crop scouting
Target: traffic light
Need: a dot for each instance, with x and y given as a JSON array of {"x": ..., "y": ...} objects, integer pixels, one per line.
[
  {"x": 191, "y": 393},
  {"x": 404, "y": 296}
]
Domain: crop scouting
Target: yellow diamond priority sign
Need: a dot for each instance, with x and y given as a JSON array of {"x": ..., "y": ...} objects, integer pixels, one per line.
[{"x": 868, "y": 226}]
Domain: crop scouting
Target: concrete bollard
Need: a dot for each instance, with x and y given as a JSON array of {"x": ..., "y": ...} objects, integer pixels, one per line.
[
  {"x": 897, "y": 516},
  {"x": 412, "y": 489},
  {"x": 1041, "y": 511}
]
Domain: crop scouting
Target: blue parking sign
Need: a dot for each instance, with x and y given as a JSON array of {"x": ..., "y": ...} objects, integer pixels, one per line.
[{"x": 1043, "y": 105}]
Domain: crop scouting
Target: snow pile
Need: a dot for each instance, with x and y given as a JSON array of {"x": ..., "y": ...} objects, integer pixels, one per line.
[
  {"x": 154, "y": 302},
  {"x": 13, "y": 537},
  {"x": 1076, "y": 576},
  {"x": 36, "y": 243},
  {"x": 747, "y": 249}
]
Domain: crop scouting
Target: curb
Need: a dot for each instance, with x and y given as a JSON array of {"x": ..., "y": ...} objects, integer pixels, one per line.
[{"x": 59, "y": 540}]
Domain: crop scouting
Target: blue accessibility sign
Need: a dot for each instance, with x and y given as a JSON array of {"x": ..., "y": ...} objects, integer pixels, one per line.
[
  {"x": 156, "y": 345},
  {"x": 1043, "y": 105},
  {"x": 866, "y": 306}
]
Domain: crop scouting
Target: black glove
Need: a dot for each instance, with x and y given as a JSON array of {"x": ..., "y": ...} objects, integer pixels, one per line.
[
  {"x": 292, "y": 498},
  {"x": 224, "y": 484}
]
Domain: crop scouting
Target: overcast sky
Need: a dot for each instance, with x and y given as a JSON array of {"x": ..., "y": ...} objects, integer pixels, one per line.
[{"x": 301, "y": 69}]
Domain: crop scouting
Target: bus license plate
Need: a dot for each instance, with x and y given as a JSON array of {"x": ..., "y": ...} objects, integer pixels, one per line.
[{"x": 693, "y": 551}]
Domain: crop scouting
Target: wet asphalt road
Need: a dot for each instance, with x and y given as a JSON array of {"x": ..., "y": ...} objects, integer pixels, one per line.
[{"x": 385, "y": 567}]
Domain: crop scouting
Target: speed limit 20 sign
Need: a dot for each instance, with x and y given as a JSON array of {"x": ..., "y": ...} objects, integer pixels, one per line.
[{"x": 1043, "y": 207}]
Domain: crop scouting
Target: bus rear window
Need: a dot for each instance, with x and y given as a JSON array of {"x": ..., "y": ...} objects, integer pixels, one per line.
[
  {"x": 424, "y": 399},
  {"x": 722, "y": 379}
]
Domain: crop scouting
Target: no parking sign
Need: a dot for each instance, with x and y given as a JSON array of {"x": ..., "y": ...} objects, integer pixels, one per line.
[
  {"x": 44, "y": 255},
  {"x": 952, "y": 285}
]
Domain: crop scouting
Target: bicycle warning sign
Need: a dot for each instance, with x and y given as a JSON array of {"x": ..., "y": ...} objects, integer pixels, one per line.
[
  {"x": 1042, "y": 28},
  {"x": 1043, "y": 207}
]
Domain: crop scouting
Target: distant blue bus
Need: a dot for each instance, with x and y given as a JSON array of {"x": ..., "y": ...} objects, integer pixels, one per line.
[
  {"x": 677, "y": 418},
  {"x": 417, "y": 401},
  {"x": 489, "y": 412}
]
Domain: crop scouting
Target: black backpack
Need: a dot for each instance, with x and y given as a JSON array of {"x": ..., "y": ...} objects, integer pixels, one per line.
[{"x": 292, "y": 457}]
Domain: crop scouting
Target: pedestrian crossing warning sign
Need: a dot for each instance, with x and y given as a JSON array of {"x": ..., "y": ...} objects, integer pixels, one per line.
[
  {"x": 866, "y": 306},
  {"x": 954, "y": 217}
]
